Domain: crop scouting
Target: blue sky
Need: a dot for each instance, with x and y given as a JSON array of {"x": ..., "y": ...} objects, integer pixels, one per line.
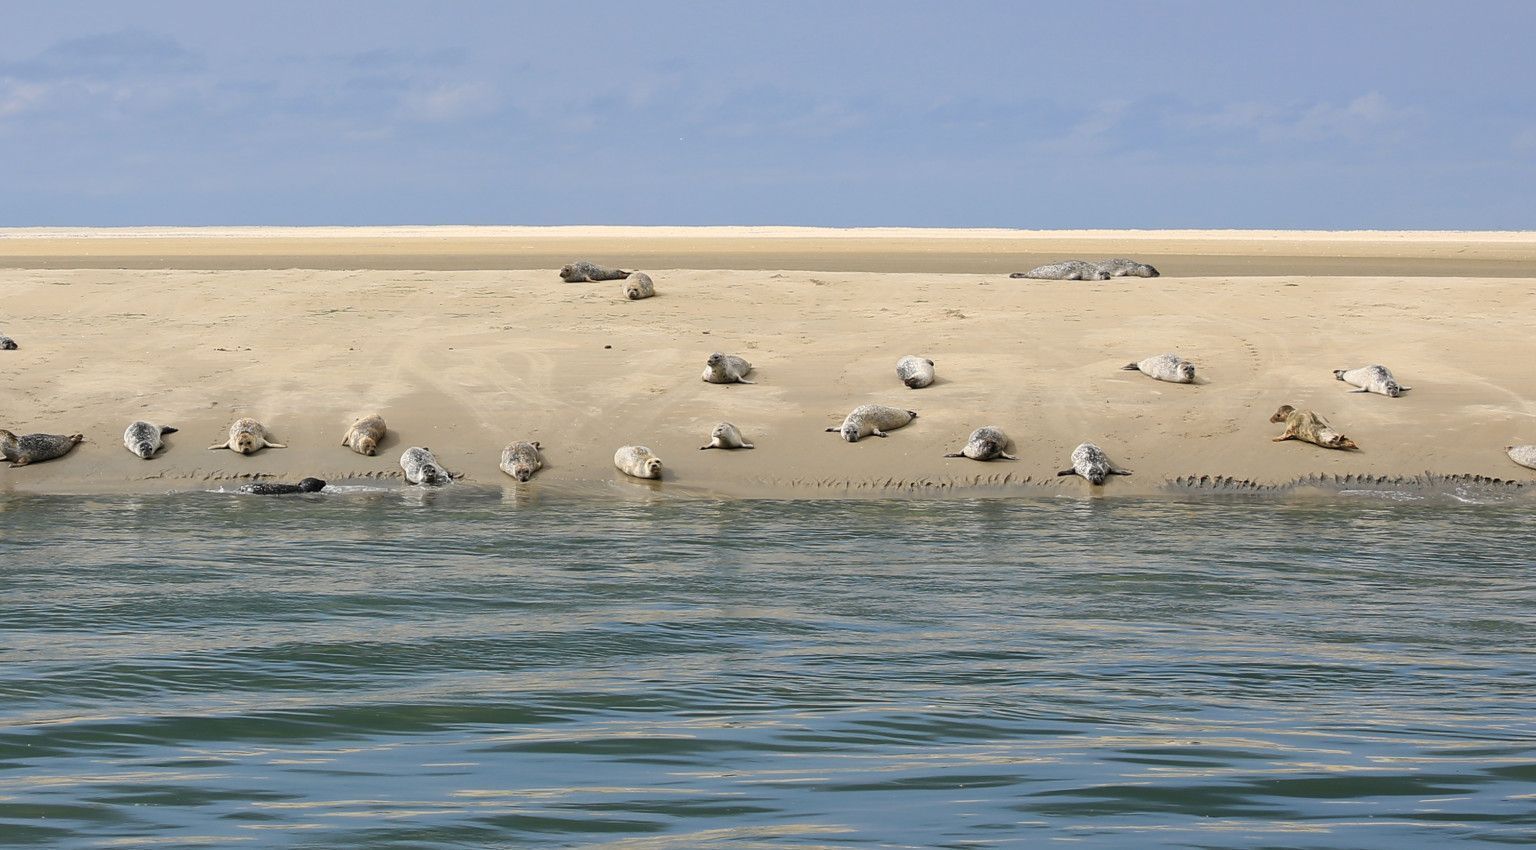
[{"x": 1334, "y": 115}]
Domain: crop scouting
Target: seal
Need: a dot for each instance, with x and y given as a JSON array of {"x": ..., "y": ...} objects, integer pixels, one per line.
[
  {"x": 521, "y": 460},
  {"x": 1090, "y": 461},
  {"x": 581, "y": 270},
  {"x": 246, "y": 436},
  {"x": 1308, "y": 427},
  {"x": 637, "y": 462},
  {"x": 1165, "y": 367},
  {"x": 876, "y": 419},
  {"x": 638, "y": 285},
  {"x": 6, "y": 343},
  {"x": 916, "y": 372},
  {"x": 308, "y": 485},
  {"x": 421, "y": 467},
  {"x": 36, "y": 448},
  {"x": 726, "y": 436},
  {"x": 726, "y": 369},
  {"x": 986, "y": 443},
  {"x": 1065, "y": 270},
  {"x": 1372, "y": 379},
  {"x": 365, "y": 435},
  {"x": 143, "y": 438},
  {"x": 1523, "y": 455},
  {"x": 1121, "y": 267}
]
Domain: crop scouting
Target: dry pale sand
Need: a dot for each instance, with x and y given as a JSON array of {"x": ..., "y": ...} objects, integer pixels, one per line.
[{"x": 465, "y": 360}]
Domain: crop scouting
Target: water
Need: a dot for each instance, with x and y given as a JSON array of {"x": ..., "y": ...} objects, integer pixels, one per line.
[{"x": 373, "y": 670}]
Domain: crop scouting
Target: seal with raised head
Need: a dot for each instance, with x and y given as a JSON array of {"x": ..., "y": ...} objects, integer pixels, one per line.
[
  {"x": 263, "y": 488},
  {"x": 638, "y": 285},
  {"x": 365, "y": 435},
  {"x": 1523, "y": 455},
  {"x": 726, "y": 369},
  {"x": 1090, "y": 461},
  {"x": 581, "y": 270},
  {"x": 637, "y": 462},
  {"x": 421, "y": 467},
  {"x": 1308, "y": 427},
  {"x": 246, "y": 436},
  {"x": 36, "y": 448},
  {"x": 1065, "y": 270},
  {"x": 143, "y": 438},
  {"x": 916, "y": 372},
  {"x": 6, "y": 343},
  {"x": 986, "y": 443},
  {"x": 1165, "y": 367},
  {"x": 1121, "y": 267},
  {"x": 876, "y": 419},
  {"x": 726, "y": 436},
  {"x": 521, "y": 460},
  {"x": 1372, "y": 379}
]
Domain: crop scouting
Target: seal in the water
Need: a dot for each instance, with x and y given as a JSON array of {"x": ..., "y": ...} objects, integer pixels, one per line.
[
  {"x": 521, "y": 460},
  {"x": 1065, "y": 270},
  {"x": 1121, "y": 267},
  {"x": 6, "y": 343},
  {"x": 1090, "y": 461},
  {"x": 986, "y": 443},
  {"x": 915, "y": 372},
  {"x": 1165, "y": 367},
  {"x": 36, "y": 448},
  {"x": 421, "y": 467},
  {"x": 365, "y": 435},
  {"x": 246, "y": 436},
  {"x": 308, "y": 485},
  {"x": 1372, "y": 379},
  {"x": 1523, "y": 455},
  {"x": 1308, "y": 427},
  {"x": 726, "y": 436},
  {"x": 726, "y": 369},
  {"x": 876, "y": 419},
  {"x": 582, "y": 270},
  {"x": 638, "y": 285},
  {"x": 637, "y": 462},
  {"x": 143, "y": 438}
]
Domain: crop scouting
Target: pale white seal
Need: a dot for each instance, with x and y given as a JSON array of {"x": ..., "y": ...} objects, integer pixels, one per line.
[
  {"x": 1165, "y": 367},
  {"x": 581, "y": 270},
  {"x": 1090, "y": 461},
  {"x": 638, "y": 285},
  {"x": 36, "y": 448},
  {"x": 143, "y": 438},
  {"x": 1372, "y": 379},
  {"x": 637, "y": 462},
  {"x": 365, "y": 435},
  {"x": 726, "y": 436},
  {"x": 421, "y": 467},
  {"x": 1121, "y": 267},
  {"x": 246, "y": 436},
  {"x": 986, "y": 443},
  {"x": 876, "y": 419},
  {"x": 1065, "y": 270},
  {"x": 1523, "y": 455},
  {"x": 726, "y": 369},
  {"x": 916, "y": 372},
  {"x": 521, "y": 460}
]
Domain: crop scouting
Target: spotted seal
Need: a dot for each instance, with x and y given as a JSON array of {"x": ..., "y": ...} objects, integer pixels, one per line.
[
  {"x": 1121, "y": 267},
  {"x": 1308, "y": 427},
  {"x": 421, "y": 467},
  {"x": 1165, "y": 367},
  {"x": 6, "y": 343},
  {"x": 143, "y": 438},
  {"x": 262, "y": 488},
  {"x": 247, "y": 436},
  {"x": 1090, "y": 461},
  {"x": 726, "y": 369},
  {"x": 581, "y": 270},
  {"x": 637, "y": 462},
  {"x": 726, "y": 436},
  {"x": 1372, "y": 379},
  {"x": 638, "y": 285},
  {"x": 521, "y": 460},
  {"x": 986, "y": 443},
  {"x": 876, "y": 419},
  {"x": 1065, "y": 270},
  {"x": 1523, "y": 455},
  {"x": 916, "y": 372},
  {"x": 365, "y": 435},
  {"x": 36, "y": 448}
]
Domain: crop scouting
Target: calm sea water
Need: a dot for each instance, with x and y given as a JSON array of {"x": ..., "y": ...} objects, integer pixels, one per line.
[{"x": 380, "y": 670}]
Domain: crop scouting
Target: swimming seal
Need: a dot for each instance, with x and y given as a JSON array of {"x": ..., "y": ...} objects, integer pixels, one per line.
[
  {"x": 726, "y": 436},
  {"x": 638, "y": 285},
  {"x": 876, "y": 419},
  {"x": 36, "y": 448},
  {"x": 246, "y": 436},
  {"x": 143, "y": 438},
  {"x": 1372, "y": 379},
  {"x": 1308, "y": 427},
  {"x": 726, "y": 369},
  {"x": 1121, "y": 267},
  {"x": 1065, "y": 270},
  {"x": 521, "y": 460},
  {"x": 1523, "y": 455},
  {"x": 1090, "y": 461},
  {"x": 916, "y": 372},
  {"x": 308, "y": 485},
  {"x": 986, "y": 443},
  {"x": 365, "y": 435},
  {"x": 1165, "y": 367},
  {"x": 581, "y": 270},
  {"x": 6, "y": 343},
  {"x": 421, "y": 467},
  {"x": 637, "y": 462}
]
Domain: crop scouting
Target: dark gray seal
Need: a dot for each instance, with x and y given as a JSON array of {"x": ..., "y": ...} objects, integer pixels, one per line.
[
  {"x": 521, "y": 460},
  {"x": 1065, "y": 270},
  {"x": 36, "y": 448},
  {"x": 876, "y": 419},
  {"x": 639, "y": 285},
  {"x": 421, "y": 467},
  {"x": 1165, "y": 367},
  {"x": 726, "y": 436},
  {"x": 1121, "y": 267},
  {"x": 726, "y": 369},
  {"x": 986, "y": 443},
  {"x": 581, "y": 270},
  {"x": 143, "y": 438},
  {"x": 308, "y": 485},
  {"x": 1372, "y": 379},
  {"x": 1090, "y": 461},
  {"x": 916, "y": 372},
  {"x": 6, "y": 343}
]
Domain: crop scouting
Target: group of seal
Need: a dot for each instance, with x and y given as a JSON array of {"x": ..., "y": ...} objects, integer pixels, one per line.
[{"x": 1088, "y": 270}]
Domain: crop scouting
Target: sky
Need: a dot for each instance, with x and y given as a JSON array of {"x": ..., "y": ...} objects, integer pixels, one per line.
[{"x": 1042, "y": 115}]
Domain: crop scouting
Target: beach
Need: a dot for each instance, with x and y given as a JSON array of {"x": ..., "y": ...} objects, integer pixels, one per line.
[{"x": 465, "y": 339}]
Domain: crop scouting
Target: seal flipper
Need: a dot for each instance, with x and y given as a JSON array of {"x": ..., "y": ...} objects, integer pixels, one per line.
[
  {"x": 1403, "y": 389},
  {"x": 744, "y": 381},
  {"x": 1006, "y": 456},
  {"x": 219, "y": 446},
  {"x": 272, "y": 445},
  {"x": 834, "y": 429},
  {"x": 710, "y": 446},
  {"x": 1115, "y": 470},
  {"x": 878, "y": 433},
  {"x": 955, "y": 454},
  {"x": 1130, "y": 367},
  {"x": 166, "y": 429},
  {"x": 1360, "y": 390},
  {"x": 1066, "y": 472},
  {"x": 748, "y": 446}
]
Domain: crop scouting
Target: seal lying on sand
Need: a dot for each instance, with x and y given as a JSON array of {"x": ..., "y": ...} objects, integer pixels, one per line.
[
  {"x": 1065, "y": 270},
  {"x": 1308, "y": 427},
  {"x": 638, "y": 285},
  {"x": 308, "y": 485},
  {"x": 1121, "y": 267},
  {"x": 521, "y": 460},
  {"x": 1523, "y": 455},
  {"x": 1372, "y": 379},
  {"x": 1090, "y": 461},
  {"x": 986, "y": 443},
  {"x": 726, "y": 436},
  {"x": 421, "y": 467},
  {"x": 637, "y": 462},
  {"x": 246, "y": 436},
  {"x": 6, "y": 343},
  {"x": 581, "y": 270},
  {"x": 1165, "y": 367},
  {"x": 36, "y": 448},
  {"x": 874, "y": 419},
  {"x": 143, "y": 438},
  {"x": 915, "y": 372},
  {"x": 365, "y": 435},
  {"x": 726, "y": 369}
]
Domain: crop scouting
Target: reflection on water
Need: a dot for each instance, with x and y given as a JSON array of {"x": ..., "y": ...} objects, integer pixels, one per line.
[{"x": 366, "y": 669}]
